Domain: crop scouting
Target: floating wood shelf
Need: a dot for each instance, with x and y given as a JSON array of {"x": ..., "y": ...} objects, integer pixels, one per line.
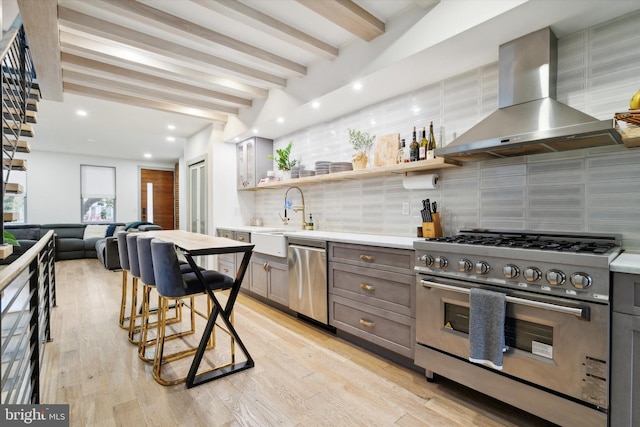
[{"x": 399, "y": 169}]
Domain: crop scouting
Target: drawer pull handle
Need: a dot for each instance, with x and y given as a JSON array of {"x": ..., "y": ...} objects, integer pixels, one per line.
[
  {"x": 226, "y": 270},
  {"x": 241, "y": 239},
  {"x": 226, "y": 236},
  {"x": 367, "y": 323},
  {"x": 265, "y": 267},
  {"x": 368, "y": 258},
  {"x": 367, "y": 287}
]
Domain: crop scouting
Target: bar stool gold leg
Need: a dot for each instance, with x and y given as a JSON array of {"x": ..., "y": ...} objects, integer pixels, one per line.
[{"x": 123, "y": 302}]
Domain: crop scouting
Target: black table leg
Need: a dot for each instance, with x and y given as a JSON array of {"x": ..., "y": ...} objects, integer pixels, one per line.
[{"x": 192, "y": 378}]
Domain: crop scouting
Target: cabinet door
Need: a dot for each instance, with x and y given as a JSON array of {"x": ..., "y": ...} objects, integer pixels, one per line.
[
  {"x": 626, "y": 293},
  {"x": 625, "y": 370},
  {"x": 241, "y": 166},
  {"x": 259, "y": 276},
  {"x": 278, "y": 290}
]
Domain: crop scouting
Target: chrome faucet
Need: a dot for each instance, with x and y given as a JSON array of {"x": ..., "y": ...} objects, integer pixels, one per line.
[{"x": 285, "y": 219}]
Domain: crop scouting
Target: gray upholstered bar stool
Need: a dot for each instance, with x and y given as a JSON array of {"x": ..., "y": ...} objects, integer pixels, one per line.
[
  {"x": 147, "y": 279},
  {"x": 123, "y": 254},
  {"x": 134, "y": 270},
  {"x": 173, "y": 284}
]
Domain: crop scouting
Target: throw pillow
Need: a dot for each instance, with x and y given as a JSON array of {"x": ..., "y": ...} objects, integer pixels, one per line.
[
  {"x": 110, "y": 230},
  {"x": 95, "y": 230}
]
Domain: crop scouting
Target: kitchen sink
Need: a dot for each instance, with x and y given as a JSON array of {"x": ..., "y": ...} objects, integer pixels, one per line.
[{"x": 270, "y": 242}]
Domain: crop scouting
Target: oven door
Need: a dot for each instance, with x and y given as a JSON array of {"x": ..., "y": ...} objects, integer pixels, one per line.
[{"x": 555, "y": 343}]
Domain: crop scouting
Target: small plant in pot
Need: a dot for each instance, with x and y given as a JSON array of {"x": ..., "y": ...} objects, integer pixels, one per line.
[
  {"x": 362, "y": 142},
  {"x": 282, "y": 160}
]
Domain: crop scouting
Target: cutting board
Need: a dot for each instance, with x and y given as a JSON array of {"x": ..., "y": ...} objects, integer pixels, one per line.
[{"x": 387, "y": 148}]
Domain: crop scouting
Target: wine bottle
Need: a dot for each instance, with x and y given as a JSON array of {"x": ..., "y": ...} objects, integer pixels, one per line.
[
  {"x": 432, "y": 138},
  {"x": 400, "y": 155},
  {"x": 423, "y": 145},
  {"x": 310, "y": 223},
  {"x": 414, "y": 147}
]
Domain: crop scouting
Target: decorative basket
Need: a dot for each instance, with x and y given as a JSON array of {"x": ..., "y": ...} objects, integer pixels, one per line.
[{"x": 631, "y": 132}]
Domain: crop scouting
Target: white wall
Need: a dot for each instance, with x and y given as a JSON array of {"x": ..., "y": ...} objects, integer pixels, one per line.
[{"x": 53, "y": 186}]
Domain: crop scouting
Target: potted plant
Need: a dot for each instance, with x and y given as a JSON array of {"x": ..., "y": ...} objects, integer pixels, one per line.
[
  {"x": 362, "y": 142},
  {"x": 282, "y": 160}
]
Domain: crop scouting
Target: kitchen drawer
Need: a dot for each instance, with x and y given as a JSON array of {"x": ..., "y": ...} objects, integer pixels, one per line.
[
  {"x": 242, "y": 236},
  {"x": 398, "y": 260},
  {"x": 384, "y": 328},
  {"x": 383, "y": 289},
  {"x": 229, "y": 234}
]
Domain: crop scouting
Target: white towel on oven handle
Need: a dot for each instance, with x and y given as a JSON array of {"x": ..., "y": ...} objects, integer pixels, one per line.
[{"x": 487, "y": 310}]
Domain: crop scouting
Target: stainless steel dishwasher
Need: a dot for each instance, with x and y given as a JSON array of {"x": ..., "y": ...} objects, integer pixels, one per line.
[{"x": 307, "y": 260}]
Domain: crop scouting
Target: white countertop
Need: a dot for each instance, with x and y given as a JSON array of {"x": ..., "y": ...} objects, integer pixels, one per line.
[
  {"x": 400, "y": 242},
  {"x": 627, "y": 262}
]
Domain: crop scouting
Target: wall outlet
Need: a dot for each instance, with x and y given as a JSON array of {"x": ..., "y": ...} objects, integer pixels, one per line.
[{"x": 405, "y": 208}]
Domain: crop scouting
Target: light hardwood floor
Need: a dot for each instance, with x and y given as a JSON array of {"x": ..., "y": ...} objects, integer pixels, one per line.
[{"x": 303, "y": 376}]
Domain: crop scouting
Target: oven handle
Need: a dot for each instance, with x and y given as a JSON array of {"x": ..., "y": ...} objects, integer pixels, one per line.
[{"x": 579, "y": 312}]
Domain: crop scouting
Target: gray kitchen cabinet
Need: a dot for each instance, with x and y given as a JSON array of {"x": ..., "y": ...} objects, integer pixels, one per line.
[
  {"x": 372, "y": 295},
  {"x": 229, "y": 263},
  {"x": 269, "y": 278},
  {"x": 625, "y": 351},
  {"x": 252, "y": 162}
]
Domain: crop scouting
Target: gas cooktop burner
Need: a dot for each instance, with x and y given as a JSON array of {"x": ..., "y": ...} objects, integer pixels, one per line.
[{"x": 529, "y": 242}]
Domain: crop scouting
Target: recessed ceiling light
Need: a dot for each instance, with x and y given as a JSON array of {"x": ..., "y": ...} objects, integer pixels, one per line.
[
  {"x": 373, "y": 121},
  {"x": 91, "y": 140},
  {"x": 255, "y": 130},
  {"x": 315, "y": 104},
  {"x": 81, "y": 113},
  {"x": 147, "y": 155},
  {"x": 280, "y": 120},
  {"x": 357, "y": 86},
  {"x": 171, "y": 127},
  {"x": 237, "y": 139},
  {"x": 170, "y": 139}
]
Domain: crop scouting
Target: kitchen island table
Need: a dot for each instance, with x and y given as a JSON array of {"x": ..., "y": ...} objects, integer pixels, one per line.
[{"x": 192, "y": 245}]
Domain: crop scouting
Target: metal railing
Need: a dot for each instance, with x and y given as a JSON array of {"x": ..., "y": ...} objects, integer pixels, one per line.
[
  {"x": 27, "y": 294},
  {"x": 18, "y": 85}
]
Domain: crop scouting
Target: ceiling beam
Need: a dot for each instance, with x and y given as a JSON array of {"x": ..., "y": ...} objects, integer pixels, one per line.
[
  {"x": 90, "y": 25},
  {"x": 142, "y": 92},
  {"x": 144, "y": 103},
  {"x": 40, "y": 21},
  {"x": 150, "y": 80},
  {"x": 79, "y": 46},
  {"x": 144, "y": 12},
  {"x": 348, "y": 15},
  {"x": 259, "y": 20}
]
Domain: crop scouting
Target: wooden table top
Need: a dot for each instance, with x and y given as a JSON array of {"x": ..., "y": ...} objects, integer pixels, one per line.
[{"x": 200, "y": 244}]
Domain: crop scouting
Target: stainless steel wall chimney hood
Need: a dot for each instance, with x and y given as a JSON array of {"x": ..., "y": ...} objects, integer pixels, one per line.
[{"x": 529, "y": 119}]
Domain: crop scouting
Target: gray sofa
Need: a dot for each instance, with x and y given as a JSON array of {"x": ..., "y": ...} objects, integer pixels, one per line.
[{"x": 70, "y": 241}]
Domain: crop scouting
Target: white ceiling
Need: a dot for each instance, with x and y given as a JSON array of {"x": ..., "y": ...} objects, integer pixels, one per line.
[{"x": 138, "y": 66}]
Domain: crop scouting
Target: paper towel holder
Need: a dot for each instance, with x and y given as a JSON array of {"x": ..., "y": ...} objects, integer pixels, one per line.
[{"x": 420, "y": 181}]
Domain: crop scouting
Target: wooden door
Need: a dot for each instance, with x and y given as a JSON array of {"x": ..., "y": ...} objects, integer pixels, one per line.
[{"x": 160, "y": 182}]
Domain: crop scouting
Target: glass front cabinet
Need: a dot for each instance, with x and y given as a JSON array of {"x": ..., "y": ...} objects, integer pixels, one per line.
[{"x": 252, "y": 161}]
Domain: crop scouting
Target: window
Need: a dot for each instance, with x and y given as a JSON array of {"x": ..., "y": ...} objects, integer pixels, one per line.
[
  {"x": 98, "y": 187},
  {"x": 16, "y": 203}
]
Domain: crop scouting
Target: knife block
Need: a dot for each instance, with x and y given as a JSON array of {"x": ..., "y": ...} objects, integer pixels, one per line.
[{"x": 432, "y": 229}]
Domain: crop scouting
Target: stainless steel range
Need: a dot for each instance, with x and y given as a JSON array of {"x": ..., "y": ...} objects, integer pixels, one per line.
[{"x": 556, "y": 287}]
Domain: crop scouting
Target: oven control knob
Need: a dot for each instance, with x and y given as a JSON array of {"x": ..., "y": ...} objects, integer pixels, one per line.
[
  {"x": 464, "y": 265},
  {"x": 510, "y": 271},
  {"x": 426, "y": 260},
  {"x": 532, "y": 274},
  {"x": 555, "y": 277},
  {"x": 441, "y": 262},
  {"x": 482, "y": 267},
  {"x": 581, "y": 280}
]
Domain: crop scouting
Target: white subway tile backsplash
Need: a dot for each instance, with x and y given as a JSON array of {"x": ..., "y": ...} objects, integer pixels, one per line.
[{"x": 593, "y": 190}]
